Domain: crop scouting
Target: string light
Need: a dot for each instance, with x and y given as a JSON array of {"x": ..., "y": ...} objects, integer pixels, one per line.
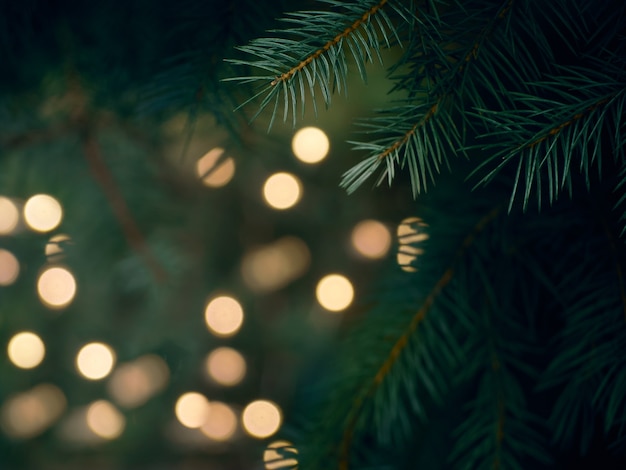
[
  {"x": 282, "y": 190},
  {"x": 54, "y": 247},
  {"x": 261, "y": 418},
  {"x": 275, "y": 265},
  {"x": 334, "y": 292},
  {"x": 43, "y": 213},
  {"x": 26, "y": 350},
  {"x": 56, "y": 287},
  {"x": 410, "y": 232},
  {"x": 223, "y": 316},
  {"x": 371, "y": 239},
  {"x": 105, "y": 420},
  {"x": 212, "y": 173},
  {"x": 221, "y": 422},
  {"x": 9, "y": 268},
  {"x": 310, "y": 145},
  {"x": 192, "y": 409},
  {"x": 9, "y": 216},
  {"x": 279, "y": 455},
  {"x": 134, "y": 383},
  {"x": 28, "y": 414},
  {"x": 226, "y": 366},
  {"x": 95, "y": 361}
]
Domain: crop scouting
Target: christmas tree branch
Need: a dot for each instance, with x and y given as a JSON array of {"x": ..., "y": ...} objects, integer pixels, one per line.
[
  {"x": 403, "y": 340},
  {"x": 333, "y": 42}
]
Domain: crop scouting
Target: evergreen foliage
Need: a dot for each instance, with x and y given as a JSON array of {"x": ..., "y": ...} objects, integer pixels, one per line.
[
  {"x": 504, "y": 348},
  {"x": 521, "y": 332}
]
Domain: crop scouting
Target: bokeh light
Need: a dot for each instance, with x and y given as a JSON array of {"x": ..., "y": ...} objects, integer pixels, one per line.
[
  {"x": 282, "y": 190},
  {"x": 26, "y": 350},
  {"x": 214, "y": 171},
  {"x": 95, "y": 361},
  {"x": 310, "y": 145},
  {"x": 221, "y": 422},
  {"x": 43, "y": 213},
  {"x": 54, "y": 247},
  {"x": 9, "y": 216},
  {"x": 9, "y": 268},
  {"x": 273, "y": 266},
  {"x": 105, "y": 420},
  {"x": 226, "y": 366},
  {"x": 410, "y": 232},
  {"x": 280, "y": 455},
  {"x": 192, "y": 409},
  {"x": 334, "y": 292},
  {"x": 371, "y": 239},
  {"x": 261, "y": 418},
  {"x": 28, "y": 414},
  {"x": 132, "y": 384},
  {"x": 223, "y": 316},
  {"x": 56, "y": 287}
]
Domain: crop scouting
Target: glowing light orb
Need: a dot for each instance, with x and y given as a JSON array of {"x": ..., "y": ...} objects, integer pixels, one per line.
[
  {"x": 95, "y": 361},
  {"x": 105, "y": 420},
  {"x": 224, "y": 316},
  {"x": 334, "y": 292},
  {"x": 9, "y": 216},
  {"x": 282, "y": 190},
  {"x": 133, "y": 383},
  {"x": 54, "y": 247},
  {"x": 56, "y": 287},
  {"x": 371, "y": 239},
  {"x": 221, "y": 422},
  {"x": 28, "y": 414},
  {"x": 43, "y": 213},
  {"x": 410, "y": 232},
  {"x": 192, "y": 409},
  {"x": 9, "y": 268},
  {"x": 275, "y": 265},
  {"x": 226, "y": 366},
  {"x": 310, "y": 145},
  {"x": 26, "y": 350},
  {"x": 212, "y": 173},
  {"x": 280, "y": 454},
  {"x": 261, "y": 418}
]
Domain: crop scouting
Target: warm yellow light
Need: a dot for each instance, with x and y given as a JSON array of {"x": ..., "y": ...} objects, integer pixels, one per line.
[
  {"x": 221, "y": 422},
  {"x": 280, "y": 454},
  {"x": 54, "y": 247},
  {"x": 371, "y": 239},
  {"x": 310, "y": 145},
  {"x": 410, "y": 232},
  {"x": 334, "y": 292},
  {"x": 133, "y": 383},
  {"x": 223, "y": 316},
  {"x": 43, "y": 213},
  {"x": 9, "y": 216},
  {"x": 273, "y": 266},
  {"x": 26, "y": 350},
  {"x": 282, "y": 190},
  {"x": 56, "y": 287},
  {"x": 192, "y": 409},
  {"x": 9, "y": 268},
  {"x": 28, "y": 414},
  {"x": 95, "y": 361},
  {"x": 105, "y": 420},
  {"x": 261, "y": 418},
  {"x": 214, "y": 175},
  {"x": 226, "y": 366}
]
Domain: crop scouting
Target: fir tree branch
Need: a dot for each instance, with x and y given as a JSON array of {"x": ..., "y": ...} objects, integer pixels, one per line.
[
  {"x": 333, "y": 42},
  {"x": 403, "y": 340}
]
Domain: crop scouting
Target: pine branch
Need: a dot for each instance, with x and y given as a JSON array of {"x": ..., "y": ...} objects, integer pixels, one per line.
[
  {"x": 366, "y": 391},
  {"x": 549, "y": 133},
  {"x": 298, "y": 63}
]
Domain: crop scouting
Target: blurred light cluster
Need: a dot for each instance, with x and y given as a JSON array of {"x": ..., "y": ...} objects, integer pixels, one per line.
[
  {"x": 410, "y": 232},
  {"x": 214, "y": 169}
]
